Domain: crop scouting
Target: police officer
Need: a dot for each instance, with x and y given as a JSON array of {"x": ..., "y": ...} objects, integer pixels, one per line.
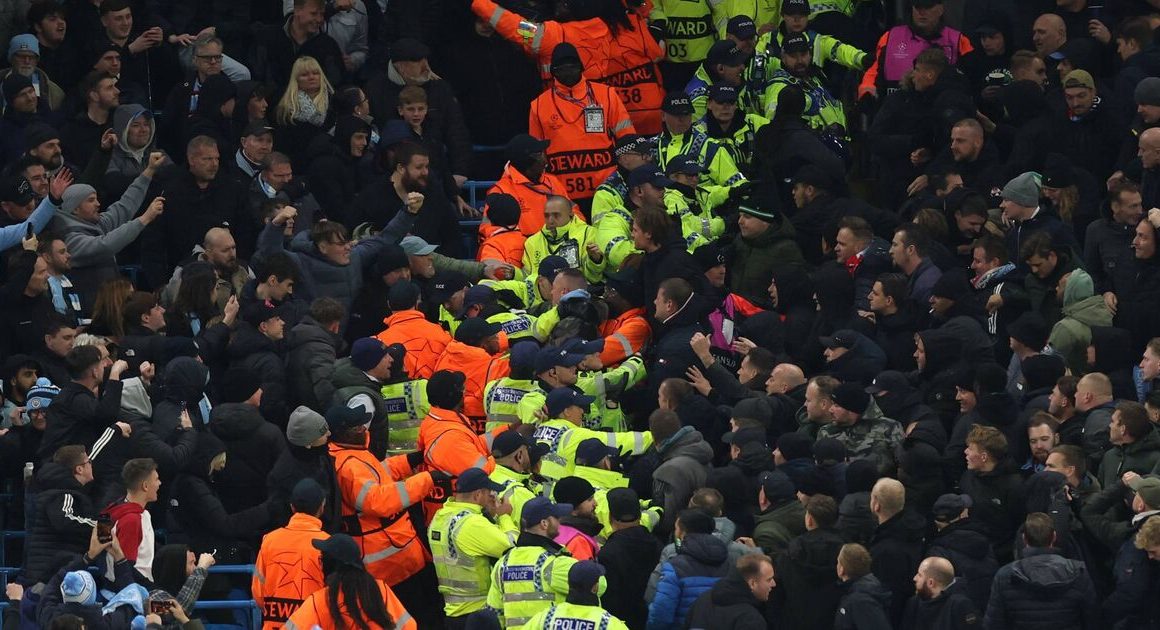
[
  {"x": 725, "y": 65},
  {"x": 467, "y": 535},
  {"x": 515, "y": 457},
  {"x": 515, "y": 323},
  {"x": 734, "y": 129},
  {"x": 631, "y": 152},
  {"x": 567, "y": 236},
  {"x": 824, "y": 112},
  {"x": 595, "y": 463},
  {"x": 646, "y": 186},
  {"x": 679, "y": 138},
  {"x": 688, "y": 29},
  {"x": 405, "y": 403},
  {"x": 564, "y": 431},
  {"x": 501, "y": 397},
  {"x": 533, "y": 575},
  {"x": 699, "y": 226},
  {"x": 582, "y": 608}
]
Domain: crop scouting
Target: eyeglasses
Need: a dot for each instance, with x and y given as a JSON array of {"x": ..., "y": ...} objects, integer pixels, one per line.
[{"x": 211, "y": 58}]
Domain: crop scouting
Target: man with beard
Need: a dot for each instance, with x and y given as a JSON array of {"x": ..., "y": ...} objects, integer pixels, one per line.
[
  {"x": 1042, "y": 436},
  {"x": 220, "y": 250},
  {"x": 275, "y": 181},
  {"x": 898, "y": 48},
  {"x": 969, "y": 155},
  {"x": 582, "y": 121},
  {"x": 20, "y": 114},
  {"x": 408, "y": 186},
  {"x": 938, "y": 600},
  {"x": 535, "y": 565},
  {"x": 824, "y": 112},
  {"x": 65, "y": 299},
  {"x": 524, "y": 178},
  {"x": 82, "y": 135}
]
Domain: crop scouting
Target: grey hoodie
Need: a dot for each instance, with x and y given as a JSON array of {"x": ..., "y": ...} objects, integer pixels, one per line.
[{"x": 125, "y": 161}]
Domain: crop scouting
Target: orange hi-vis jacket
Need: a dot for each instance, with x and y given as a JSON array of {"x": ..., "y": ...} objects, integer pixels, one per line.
[
  {"x": 531, "y": 196},
  {"x": 582, "y": 123},
  {"x": 288, "y": 569},
  {"x": 590, "y": 37},
  {"x": 633, "y": 71},
  {"x": 375, "y": 498},
  {"x": 480, "y": 368},
  {"x": 315, "y": 612},
  {"x": 624, "y": 336},
  {"x": 450, "y": 443},
  {"x": 424, "y": 341},
  {"x": 501, "y": 243}
]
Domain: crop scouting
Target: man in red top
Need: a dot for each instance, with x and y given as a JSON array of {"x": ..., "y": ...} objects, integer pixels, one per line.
[{"x": 131, "y": 522}]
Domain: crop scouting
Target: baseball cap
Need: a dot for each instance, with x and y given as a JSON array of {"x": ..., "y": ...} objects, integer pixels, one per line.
[
  {"x": 417, "y": 246},
  {"x": 584, "y": 575},
  {"x": 842, "y": 338},
  {"x": 627, "y": 284},
  {"x": 523, "y": 145},
  {"x": 795, "y": 7},
  {"x": 540, "y": 508},
  {"x": 576, "y": 345},
  {"x": 1079, "y": 79},
  {"x": 507, "y": 443},
  {"x": 794, "y": 445},
  {"x": 408, "y": 49},
  {"x": 677, "y": 104},
  {"x": 741, "y": 27},
  {"x": 744, "y": 436},
  {"x": 796, "y": 43},
  {"x": 565, "y": 53},
  {"x": 623, "y": 505},
  {"x": 851, "y": 397},
  {"x": 341, "y": 548},
  {"x": 445, "y": 284},
  {"x": 632, "y": 143},
  {"x": 15, "y": 189},
  {"x": 257, "y": 312},
  {"x": 561, "y": 398},
  {"x": 257, "y": 128},
  {"x": 812, "y": 175},
  {"x": 726, "y": 53},
  {"x": 1148, "y": 488},
  {"x": 552, "y": 265},
  {"x": 478, "y": 294},
  {"x": 522, "y": 356},
  {"x": 685, "y": 164},
  {"x": 552, "y": 356},
  {"x": 593, "y": 450},
  {"x": 340, "y": 417},
  {"x": 403, "y": 295},
  {"x": 722, "y": 93},
  {"x": 474, "y": 479},
  {"x": 475, "y": 329},
  {"x": 889, "y": 381},
  {"x": 777, "y": 485},
  {"x": 755, "y": 409},
  {"x": 648, "y": 174},
  {"x": 948, "y": 506}
]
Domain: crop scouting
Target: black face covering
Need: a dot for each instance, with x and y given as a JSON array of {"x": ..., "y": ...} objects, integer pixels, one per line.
[
  {"x": 568, "y": 74},
  {"x": 685, "y": 189}
]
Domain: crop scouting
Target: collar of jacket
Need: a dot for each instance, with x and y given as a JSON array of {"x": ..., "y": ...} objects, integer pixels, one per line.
[
  {"x": 301, "y": 521},
  {"x": 528, "y": 539}
]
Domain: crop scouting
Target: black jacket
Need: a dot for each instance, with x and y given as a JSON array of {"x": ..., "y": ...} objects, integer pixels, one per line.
[
  {"x": 265, "y": 358},
  {"x": 1092, "y": 142},
  {"x": 252, "y": 446},
  {"x": 312, "y": 351},
  {"x": 895, "y": 335},
  {"x": 897, "y": 549},
  {"x": 76, "y": 416},
  {"x": 865, "y": 605},
  {"x": 333, "y": 173},
  {"x": 997, "y": 498},
  {"x": 63, "y": 521},
  {"x": 951, "y": 610},
  {"x": 1139, "y": 309},
  {"x": 860, "y": 364},
  {"x": 737, "y": 483},
  {"x": 807, "y": 582},
  {"x": 671, "y": 352},
  {"x": 22, "y": 317},
  {"x": 444, "y": 122},
  {"x": 273, "y": 52},
  {"x": 970, "y": 553},
  {"x": 729, "y": 605},
  {"x": 294, "y": 464},
  {"x": 437, "y": 221},
  {"x": 628, "y": 556},
  {"x": 1043, "y": 591}
]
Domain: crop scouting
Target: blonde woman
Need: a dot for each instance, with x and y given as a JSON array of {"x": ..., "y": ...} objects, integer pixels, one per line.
[{"x": 304, "y": 110}]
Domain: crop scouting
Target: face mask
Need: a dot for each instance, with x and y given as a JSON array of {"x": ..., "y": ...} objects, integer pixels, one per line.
[{"x": 568, "y": 75}]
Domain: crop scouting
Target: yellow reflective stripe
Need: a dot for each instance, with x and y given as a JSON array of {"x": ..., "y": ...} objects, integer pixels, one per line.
[{"x": 362, "y": 495}]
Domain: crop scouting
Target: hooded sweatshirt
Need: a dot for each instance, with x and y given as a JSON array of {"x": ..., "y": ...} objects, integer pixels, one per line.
[
  {"x": 1082, "y": 309},
  {"x": 134, "y": 529}
]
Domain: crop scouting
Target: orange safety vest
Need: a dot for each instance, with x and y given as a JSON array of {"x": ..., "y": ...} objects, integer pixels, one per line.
[
  {"x": 537, "y": 39},
  {"x": 288, "y": 569},
  {"x": 315, "y": 612},
  {"x": 633, "y": 71},
  {"x": 581, "y": 146},
  {"x": 450, "y": 443},
  {"x": 501, "y": 243},
  {"x": 480, "y": 368},
  {"x": 624, "y": 336},
  {"x": 375, "y": 497},
  {"x": 531, "y": 196},
  {"x": 424, "y": 341}
]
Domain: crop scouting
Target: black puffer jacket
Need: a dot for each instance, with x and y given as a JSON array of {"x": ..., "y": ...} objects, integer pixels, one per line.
[
  {"x": 920, "y": 453},
  {"x": 951, "y": 610},
  {"x": 860, "y": 364},
  {"x": 807, "y": 583},
  {"x": 333, "y": 174},
  {"x": 938, "y": 376},
  {"x": 729, "y": 605},
  {"x": 970, "y": 553},
  {"x": 897, "y": 549},
  {"x": 183, "y": 385},
  {"x": 997, "y": 499},
  {"x": 864, "y": 606},
  {"x": 252, "y": 446},
  {"x": 63, "y": 521},
  {"x": 312, "y": 352},
  {"x": 1043, "y": 591},
  {"x": 266, "y": 359},
  {"x": 294, "y": 464}
]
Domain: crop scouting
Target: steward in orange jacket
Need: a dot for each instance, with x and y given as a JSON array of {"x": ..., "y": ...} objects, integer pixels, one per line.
[
  {"x": 289, "y": 568},
  {"x": 524, "y": 179},
  {"x": 347, "y": 575},
  {"x": 582, "y": 120},
  {"x": 539, "y": 39},
  {"x": 474, "y": 353},
  {"x": 627, "y": 330},
  {"x": 375, "y": 497},
  {"x": 424, "y": 341},
  {"x": 501, "y": 238},
  {"x": 633, "y": 71}
]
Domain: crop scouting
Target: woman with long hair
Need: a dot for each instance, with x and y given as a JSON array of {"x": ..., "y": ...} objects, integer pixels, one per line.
[
  {"x": 195, "y": 312},
  {"x": 352, "y": 598},
  {"x": 304, "y": 111},
  {"x": 109, "y": 306}
]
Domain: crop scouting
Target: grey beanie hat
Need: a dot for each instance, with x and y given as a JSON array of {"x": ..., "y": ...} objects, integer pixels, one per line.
[
  {"x": 1023, "y": 190},
  {"x": 74, "y": 195},
  {"x": 305, "y": 426},
  {"x": 1148, "y": 91}
]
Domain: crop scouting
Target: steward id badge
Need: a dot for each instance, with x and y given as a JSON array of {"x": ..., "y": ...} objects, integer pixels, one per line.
[{"x": 593, "y": 119}]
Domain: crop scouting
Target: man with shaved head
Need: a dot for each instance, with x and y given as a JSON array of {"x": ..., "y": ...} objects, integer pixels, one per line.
[
  {"x": 938, "y": 601},
  {"x": 220, "y": 250},
  {"x": 970, "y": 156},
  {"x": 1148, "y": 150},
  {"x": 1048, "y": 33},
  {"x": 897, "y": 543},
  {"x": 1094, "y": 407}
]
